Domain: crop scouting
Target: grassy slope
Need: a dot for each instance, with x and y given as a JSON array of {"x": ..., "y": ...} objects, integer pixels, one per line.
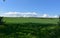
[
  {"x": 30, "y": 30},
  {"x": 33, "y": 20}
]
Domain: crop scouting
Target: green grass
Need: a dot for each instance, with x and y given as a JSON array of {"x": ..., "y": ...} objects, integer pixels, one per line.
[
  {"x": 33, "y": 20},
  {"x": 30, "y": 28}
]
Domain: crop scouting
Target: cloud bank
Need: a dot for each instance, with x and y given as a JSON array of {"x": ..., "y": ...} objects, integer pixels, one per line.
[{"x": 26, "y": 14}]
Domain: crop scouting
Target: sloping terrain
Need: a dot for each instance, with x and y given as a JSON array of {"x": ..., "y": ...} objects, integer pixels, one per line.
[{"x": 30, "y": 28}]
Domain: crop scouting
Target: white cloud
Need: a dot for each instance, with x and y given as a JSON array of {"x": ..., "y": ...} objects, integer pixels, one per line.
[
  {"x": 55, "y": 16},
  {"x": 45, "y": 15},
  {"x": 26, "y": 14},
  {"x": 19, "y": 14},
  {"x": 11, "y": 13}
]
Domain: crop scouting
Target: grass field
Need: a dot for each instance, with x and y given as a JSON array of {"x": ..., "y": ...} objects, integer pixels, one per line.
[
  {"x": 30, "y": 28},
  {"x": 33, "y": 20}
]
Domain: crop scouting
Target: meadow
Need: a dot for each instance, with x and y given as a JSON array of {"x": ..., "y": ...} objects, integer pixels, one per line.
[
  {"x": 31, "y": 19},
  {"x": 29, "y": 27}
]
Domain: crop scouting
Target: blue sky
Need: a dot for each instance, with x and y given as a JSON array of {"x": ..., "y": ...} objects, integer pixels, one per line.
[{"x": 51, "y": 7}]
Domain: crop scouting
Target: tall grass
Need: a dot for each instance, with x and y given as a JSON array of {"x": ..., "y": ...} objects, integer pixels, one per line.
[{"x": 31, "y": 30}]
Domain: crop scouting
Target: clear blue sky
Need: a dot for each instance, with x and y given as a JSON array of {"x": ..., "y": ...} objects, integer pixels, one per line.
[{"x": 39, "y": 6}]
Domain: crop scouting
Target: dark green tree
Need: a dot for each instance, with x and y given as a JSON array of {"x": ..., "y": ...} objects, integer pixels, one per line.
[
  {"x": 1, "y": 20},
  {"x": 59, "y": 21}
]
